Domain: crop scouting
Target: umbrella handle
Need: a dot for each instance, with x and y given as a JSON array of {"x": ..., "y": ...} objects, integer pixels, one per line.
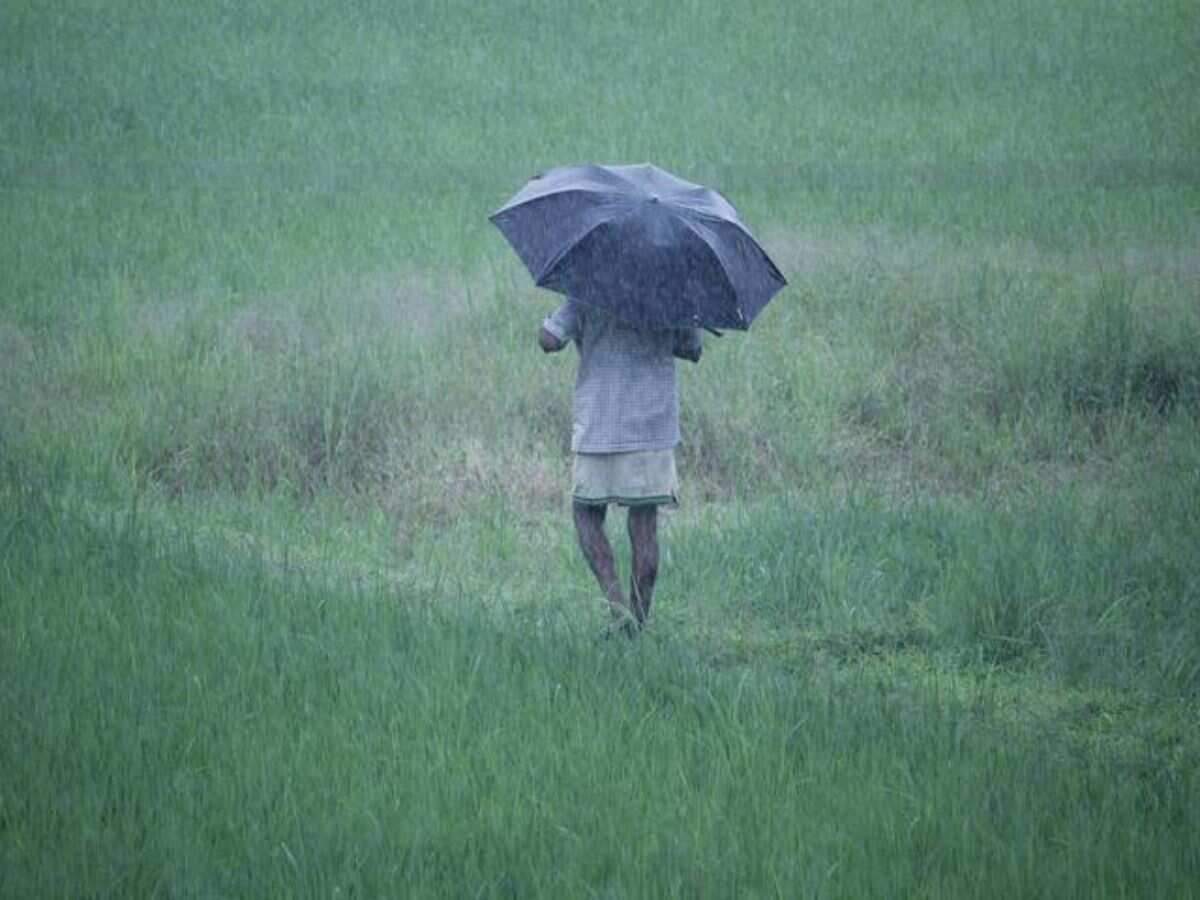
[{"x": 713, "y": 331}]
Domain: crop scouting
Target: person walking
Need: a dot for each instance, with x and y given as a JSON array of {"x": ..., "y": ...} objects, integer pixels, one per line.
[
  {"x": 625, "y": 427},
  {"x": 645, "y": 259}
]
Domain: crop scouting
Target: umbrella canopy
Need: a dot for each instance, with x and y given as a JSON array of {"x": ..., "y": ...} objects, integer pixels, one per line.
[{"x": 654, "y": 250}]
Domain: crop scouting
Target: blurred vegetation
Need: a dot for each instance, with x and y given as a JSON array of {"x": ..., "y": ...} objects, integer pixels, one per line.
[{"x": 292, "y": 601}]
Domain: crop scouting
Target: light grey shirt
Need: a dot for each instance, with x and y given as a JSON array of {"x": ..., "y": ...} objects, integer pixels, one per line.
[{"x": 625, "y": 392}]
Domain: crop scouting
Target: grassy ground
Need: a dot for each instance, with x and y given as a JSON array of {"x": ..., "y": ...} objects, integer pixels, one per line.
[{"x": 292, "y": 605}]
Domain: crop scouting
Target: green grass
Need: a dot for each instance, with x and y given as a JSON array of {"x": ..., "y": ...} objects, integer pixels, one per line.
[
  {"x": 248, "y": 732},
  {"x": 292, "y": 605}
]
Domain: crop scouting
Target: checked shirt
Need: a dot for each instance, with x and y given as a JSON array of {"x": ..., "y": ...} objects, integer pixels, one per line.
[{"x": 625, "y": 392}]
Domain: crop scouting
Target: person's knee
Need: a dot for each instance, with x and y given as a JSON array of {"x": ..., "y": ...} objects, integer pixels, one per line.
[
  {"x": 588, "y": 515},
  {"x": 643, "y": 523},
  {"x": 647, "y": 568}
]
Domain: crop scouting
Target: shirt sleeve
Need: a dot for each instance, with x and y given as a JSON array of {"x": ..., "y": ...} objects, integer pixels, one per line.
[{"x": 566, "y": 322}]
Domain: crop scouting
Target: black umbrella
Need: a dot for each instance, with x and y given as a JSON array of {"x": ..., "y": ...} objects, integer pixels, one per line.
[{"x": 651, "y": 248}]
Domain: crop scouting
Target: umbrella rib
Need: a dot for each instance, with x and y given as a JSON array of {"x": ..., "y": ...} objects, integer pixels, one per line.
[
  {"x": 620, "y": 176},
  {"x": 746, "y": 232},
  {"x": 712, "y": 250},
  {"x": 607, "y": 193},
  {"x": 556, "y": 260}
]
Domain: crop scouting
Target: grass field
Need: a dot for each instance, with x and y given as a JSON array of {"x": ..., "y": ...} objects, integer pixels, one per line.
[{"x": 291, "y": 601}]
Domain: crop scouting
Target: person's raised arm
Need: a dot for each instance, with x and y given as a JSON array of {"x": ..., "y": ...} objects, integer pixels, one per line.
[
  {"x": 559, "y": 328},
  {"x": 548, "y": 342}
]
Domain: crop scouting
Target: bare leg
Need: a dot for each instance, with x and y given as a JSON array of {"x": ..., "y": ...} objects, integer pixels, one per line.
[
  {"x": 589, "y": 525},
  {"x": 643, "y": 538}
]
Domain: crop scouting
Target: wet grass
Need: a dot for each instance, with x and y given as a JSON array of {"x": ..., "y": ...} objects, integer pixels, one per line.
[
  {"x": 206, "y": 724},
  {"x": 292, "y": 605}
]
